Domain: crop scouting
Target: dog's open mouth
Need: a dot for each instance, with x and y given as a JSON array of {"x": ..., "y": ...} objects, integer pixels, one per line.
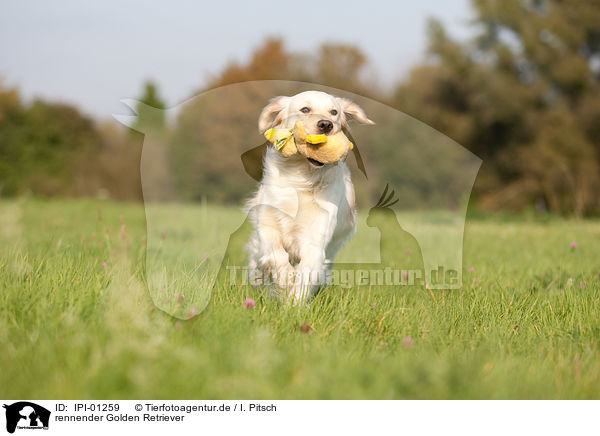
[{"x": 315, "y": 163}]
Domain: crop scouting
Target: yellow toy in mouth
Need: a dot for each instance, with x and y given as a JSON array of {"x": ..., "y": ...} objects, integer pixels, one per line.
[
  {"x": 318, "y": 149},
  {"x": 283, "y": 140}
]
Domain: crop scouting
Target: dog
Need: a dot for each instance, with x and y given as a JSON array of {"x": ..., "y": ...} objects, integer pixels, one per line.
[{"x": 304, "y": 210}]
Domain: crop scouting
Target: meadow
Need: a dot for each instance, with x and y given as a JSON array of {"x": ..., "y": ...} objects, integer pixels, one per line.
[{"x": 76, "y": 319}]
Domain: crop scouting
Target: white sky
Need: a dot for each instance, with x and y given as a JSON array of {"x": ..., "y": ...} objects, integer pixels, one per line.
[{"x": 94, "y": 54}]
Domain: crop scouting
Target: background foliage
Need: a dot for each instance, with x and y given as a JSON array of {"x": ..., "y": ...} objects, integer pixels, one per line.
[{"x": 524, "y": 95}]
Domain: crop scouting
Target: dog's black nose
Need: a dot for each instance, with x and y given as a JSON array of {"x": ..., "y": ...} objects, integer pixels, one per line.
[{"x": 325, "y": 126}]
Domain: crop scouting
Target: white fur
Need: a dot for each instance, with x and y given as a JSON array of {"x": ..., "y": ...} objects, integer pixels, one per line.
[{"x": 302, "y": 215}]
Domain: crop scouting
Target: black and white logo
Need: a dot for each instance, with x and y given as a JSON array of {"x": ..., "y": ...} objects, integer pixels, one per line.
[{"x": 26, "y": 415}]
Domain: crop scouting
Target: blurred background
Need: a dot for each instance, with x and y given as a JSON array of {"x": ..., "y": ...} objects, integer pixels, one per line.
[{"x": 516, "y": 82}]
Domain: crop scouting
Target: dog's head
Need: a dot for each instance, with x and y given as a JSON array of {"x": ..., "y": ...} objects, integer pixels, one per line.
[{"x": 321, "y": 113}]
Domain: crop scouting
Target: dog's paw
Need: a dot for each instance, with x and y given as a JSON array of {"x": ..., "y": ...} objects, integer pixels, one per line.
[
  {"x": 276, "y": 266},
  {"x": 306, "y": 285},
  {"x": 300, "y": 293},
  {"x": 284, "y": 277}
]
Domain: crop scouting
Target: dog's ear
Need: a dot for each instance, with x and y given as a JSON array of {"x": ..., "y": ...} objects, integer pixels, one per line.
[
  {"x": 352, "y": 111},
  {"x": 272, "y": 114}
]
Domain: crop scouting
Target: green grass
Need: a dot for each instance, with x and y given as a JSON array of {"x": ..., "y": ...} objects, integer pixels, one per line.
[{"x": 526, "y": 323}]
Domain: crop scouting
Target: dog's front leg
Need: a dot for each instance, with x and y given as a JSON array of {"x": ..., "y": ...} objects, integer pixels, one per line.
[
  {"x": 267, "y": 254},
  {"x": 311, "y": 271},
  {"x": 274, "y": 260}
]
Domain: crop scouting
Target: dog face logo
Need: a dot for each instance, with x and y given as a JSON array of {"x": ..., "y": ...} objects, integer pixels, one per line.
[{"x": 26, "y": 415}]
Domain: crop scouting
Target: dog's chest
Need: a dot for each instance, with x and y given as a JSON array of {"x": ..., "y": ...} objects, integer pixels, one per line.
[{"x": 301, "y": 207}]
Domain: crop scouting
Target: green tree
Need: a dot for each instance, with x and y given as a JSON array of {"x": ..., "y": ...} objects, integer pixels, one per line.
[
  {"x": 524, "y": 95},
  {"x": 12, "y": 114},
  {"x": 39, "y": 144},
  {"x": 151, "y": 111}
]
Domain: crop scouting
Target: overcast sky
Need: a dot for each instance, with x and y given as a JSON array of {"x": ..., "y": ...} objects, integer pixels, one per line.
[{"x": 94, "y": 54}]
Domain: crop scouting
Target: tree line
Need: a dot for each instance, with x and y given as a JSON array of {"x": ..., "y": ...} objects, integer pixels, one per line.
[{"x": 523, "y": 94}]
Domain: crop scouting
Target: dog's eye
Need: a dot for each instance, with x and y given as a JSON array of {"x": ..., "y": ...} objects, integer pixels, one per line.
[
  {"x": 333, "y": 112},
  {"x": 305, "y": 110}
]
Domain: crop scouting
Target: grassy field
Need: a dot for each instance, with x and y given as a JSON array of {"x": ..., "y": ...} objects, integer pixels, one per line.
[{"x": 76, "y": 320}]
